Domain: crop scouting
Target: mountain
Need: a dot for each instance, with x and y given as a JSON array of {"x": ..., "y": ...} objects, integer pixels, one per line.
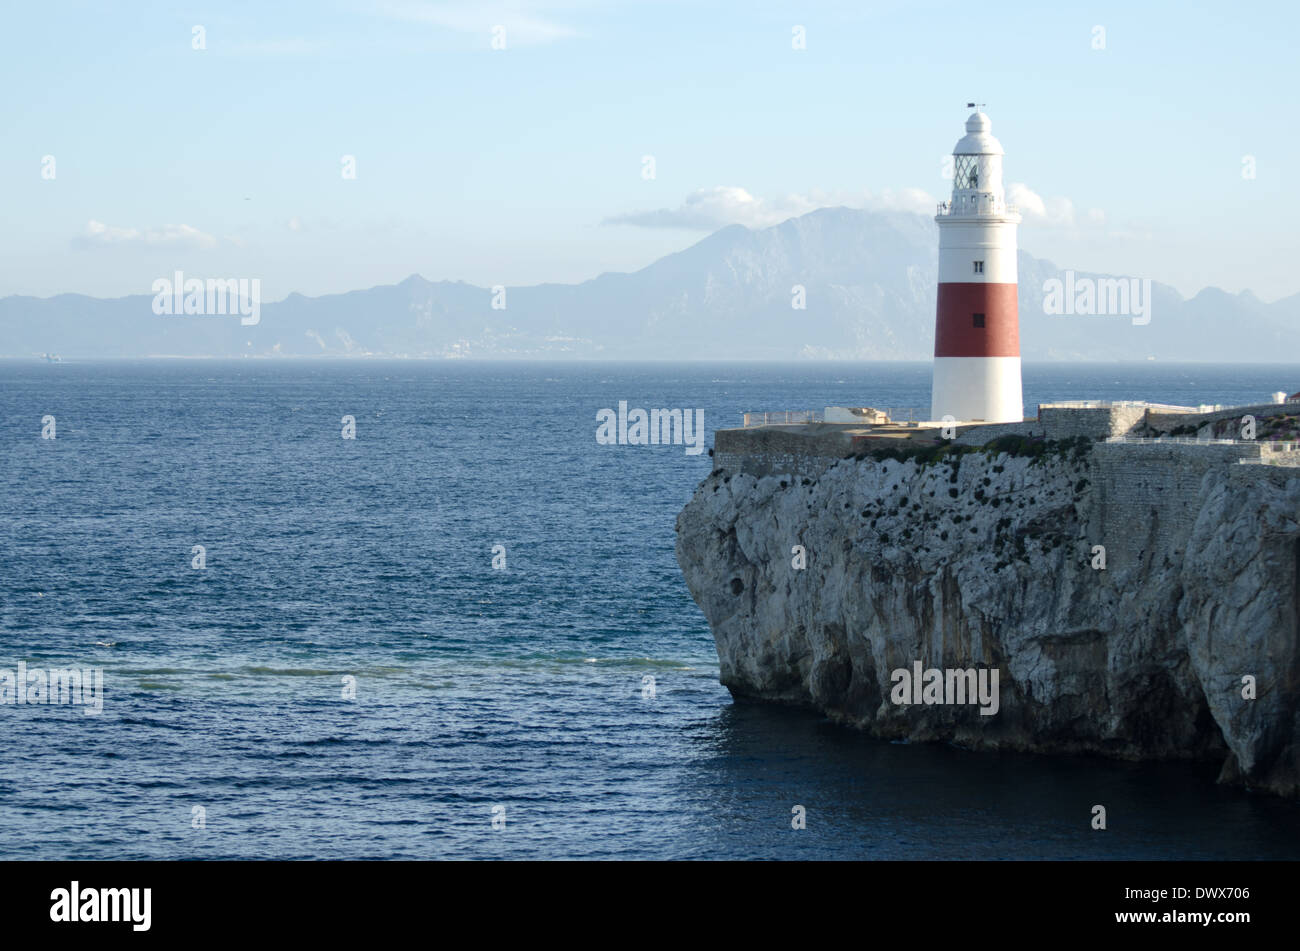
[{"x": 868, "y": 280}]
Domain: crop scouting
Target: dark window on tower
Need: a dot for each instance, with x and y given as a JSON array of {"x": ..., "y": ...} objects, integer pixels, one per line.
[
  {"x": 978, "y": 319},
  {"x": 979, "y": 267}
]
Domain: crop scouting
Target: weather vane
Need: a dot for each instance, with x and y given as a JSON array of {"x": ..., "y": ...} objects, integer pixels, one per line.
[{"x": 974, "y": 105}]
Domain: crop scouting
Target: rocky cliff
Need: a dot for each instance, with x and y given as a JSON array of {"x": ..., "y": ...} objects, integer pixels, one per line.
[{"x": 1125, "y": 592}]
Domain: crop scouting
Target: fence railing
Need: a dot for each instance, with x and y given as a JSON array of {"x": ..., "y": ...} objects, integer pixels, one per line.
[
  {"x": 908, "y": 414},
  {"x": 773, "y": 419},
  {"x": 1123, "y": 404},
  {"x": 1265, "y": 445},
  {"x": 899, "y": 414}
]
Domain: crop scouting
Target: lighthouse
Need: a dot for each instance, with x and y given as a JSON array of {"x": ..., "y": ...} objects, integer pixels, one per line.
[{"x": 977, "y": 331}]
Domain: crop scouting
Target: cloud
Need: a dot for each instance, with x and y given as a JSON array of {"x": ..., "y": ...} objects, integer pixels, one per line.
[
  {"x": 1050, "y": 212},
  {"x": 708, "y": 209},
  {"x": 300, "y": 225},
  {"x": 526, "y": 23},
  {"x": 96, "y": 234}
]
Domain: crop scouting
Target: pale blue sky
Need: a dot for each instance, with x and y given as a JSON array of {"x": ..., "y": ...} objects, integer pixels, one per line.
[{"x": 524, "y": 165}]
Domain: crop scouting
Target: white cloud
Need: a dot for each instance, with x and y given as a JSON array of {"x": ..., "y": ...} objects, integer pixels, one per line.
[
  {"x": 916, "y": 200},
  {"x": 1055, "y": 212},
  {"x": 96, "y": 234},
  {"x": 708, "y": 209},
  {"x": 301, "y": 225},
  {"x": 526, "y": 23}
]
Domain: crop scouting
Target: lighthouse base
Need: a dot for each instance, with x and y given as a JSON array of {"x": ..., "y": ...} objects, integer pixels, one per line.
[{"x": 977, "y": 388}]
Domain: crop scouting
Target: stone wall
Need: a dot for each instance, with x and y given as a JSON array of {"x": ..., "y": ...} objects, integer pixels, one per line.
[
  {"x": 979, "y": 435},
  {"x": 802, "y": 451},
  {"x": 1060, "y": 422},
  {"x": 1163, "y": 422},
  {"x": 1141, "y": 493}
]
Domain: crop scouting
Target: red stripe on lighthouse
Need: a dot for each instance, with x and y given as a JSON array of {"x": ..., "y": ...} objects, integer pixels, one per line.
[{"x": 956, "y": 333}]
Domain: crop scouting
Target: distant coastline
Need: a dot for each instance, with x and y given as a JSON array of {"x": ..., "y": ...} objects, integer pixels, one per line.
[{"x": 834, "y": 284}]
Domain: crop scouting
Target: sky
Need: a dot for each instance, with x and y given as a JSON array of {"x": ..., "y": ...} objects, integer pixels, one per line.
[{"x": 140, "y": 138}]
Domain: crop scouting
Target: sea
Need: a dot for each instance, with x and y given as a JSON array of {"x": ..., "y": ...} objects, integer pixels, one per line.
[{"x": 462, "y": 633}]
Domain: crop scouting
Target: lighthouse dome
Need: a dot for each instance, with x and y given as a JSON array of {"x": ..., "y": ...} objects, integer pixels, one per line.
[{"x": 978, "y": 139}]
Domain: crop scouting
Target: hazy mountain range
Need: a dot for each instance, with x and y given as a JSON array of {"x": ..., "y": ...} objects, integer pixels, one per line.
[{"x": 869, "y": 281}]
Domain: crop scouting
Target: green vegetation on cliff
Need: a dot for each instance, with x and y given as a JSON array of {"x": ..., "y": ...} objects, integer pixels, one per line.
[{"x": 1034, "y": 447}]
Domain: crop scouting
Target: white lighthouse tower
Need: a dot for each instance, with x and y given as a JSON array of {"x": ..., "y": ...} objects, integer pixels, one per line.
[{"x": 977, "y": 329}]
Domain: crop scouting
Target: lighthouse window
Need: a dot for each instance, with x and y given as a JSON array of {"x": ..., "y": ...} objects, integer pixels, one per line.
[
  {"x": 979, "y": 267},
  {"x": 966, "y": 172},
  {"x": 977, "y": 319}
]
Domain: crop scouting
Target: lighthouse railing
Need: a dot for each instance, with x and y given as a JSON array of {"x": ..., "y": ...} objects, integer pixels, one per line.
[{"x": 977, "y": 205}]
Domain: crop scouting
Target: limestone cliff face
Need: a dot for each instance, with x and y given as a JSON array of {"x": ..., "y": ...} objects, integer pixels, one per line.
[{"x": 988, "y": 561}]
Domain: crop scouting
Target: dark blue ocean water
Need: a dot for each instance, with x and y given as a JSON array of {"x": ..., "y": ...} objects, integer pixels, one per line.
[{"x": 476, "y": 687}]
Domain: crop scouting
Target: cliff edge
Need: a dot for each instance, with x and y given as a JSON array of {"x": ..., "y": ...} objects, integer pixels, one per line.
[{"x": 1127, "y": 592}]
